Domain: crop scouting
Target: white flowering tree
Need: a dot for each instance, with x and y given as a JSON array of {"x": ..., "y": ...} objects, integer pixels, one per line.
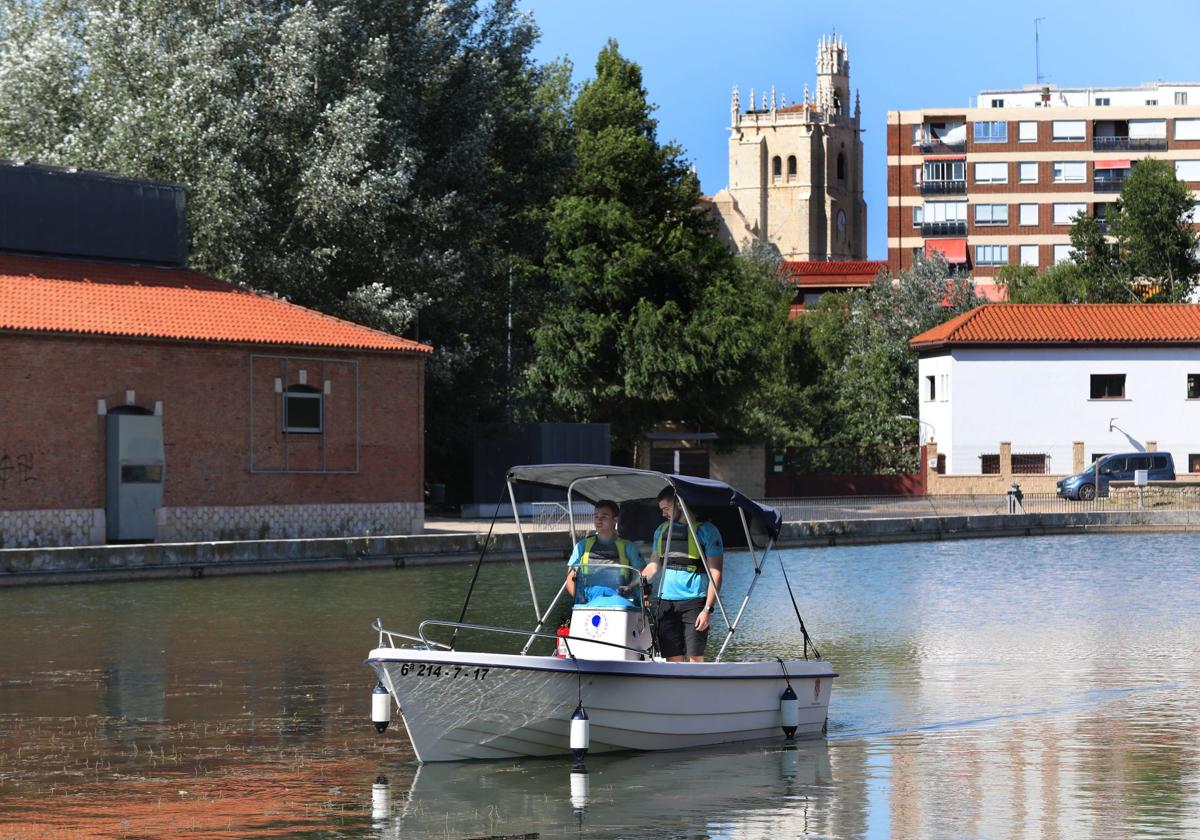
[{"x": 377, "y": 160}]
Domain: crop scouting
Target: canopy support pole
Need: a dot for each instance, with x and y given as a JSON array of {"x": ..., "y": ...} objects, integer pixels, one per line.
[
  {"x": 512, "y": 497},
  {"x": 687, "y": 515},
  {"x": 542, "y": 620},
  {"x": 753, "y": 582}
]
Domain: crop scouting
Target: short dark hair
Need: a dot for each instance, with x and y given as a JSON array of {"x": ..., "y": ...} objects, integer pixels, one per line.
[
  {"x": 667, "y": 492},
  {"x": 611, "y": 505}
]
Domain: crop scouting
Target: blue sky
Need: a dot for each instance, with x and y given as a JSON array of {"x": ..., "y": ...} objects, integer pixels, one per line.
[{"x": 902, "y": 55}]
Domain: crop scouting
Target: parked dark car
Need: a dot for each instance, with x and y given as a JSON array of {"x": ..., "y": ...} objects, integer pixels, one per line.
[{"x": 1118, "y": 467}]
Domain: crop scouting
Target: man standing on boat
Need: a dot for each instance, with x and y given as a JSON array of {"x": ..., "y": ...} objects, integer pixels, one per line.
[
  {"x": 604, "y": 547},
  {"x": 691, "y": 580}
]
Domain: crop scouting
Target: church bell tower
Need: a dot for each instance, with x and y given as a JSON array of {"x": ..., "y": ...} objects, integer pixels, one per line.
[{"x": 795, "y": 171}]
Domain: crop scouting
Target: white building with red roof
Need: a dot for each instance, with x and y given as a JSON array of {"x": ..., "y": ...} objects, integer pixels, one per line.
[
  {"x": 1063, "y": 383},
  {"x": 154, "y": 403}
]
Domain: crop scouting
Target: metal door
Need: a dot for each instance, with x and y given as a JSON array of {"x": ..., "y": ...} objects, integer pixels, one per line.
[{"x": 135, "y": 467}]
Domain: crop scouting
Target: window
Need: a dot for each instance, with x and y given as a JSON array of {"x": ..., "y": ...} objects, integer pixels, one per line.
[
  {"x": 776, "y": 168},
  {"x": 1194, "y": 215},
  {"x": 1181, "y": 97},
  {"x": 1027, "y": 172},
  {"x": 1159, "y": 462},
  {"x": 1194, "y": 462},
  {"x": 918, "y": 215},
  {"x": 945, "y": 211},
  {"x": 990, "y": 464},
  {"x": 141, "y": 473},
  {"x": 1069, "y": 172},
  {"x": 995, "y": 131},
  {"x": 1187, "y": 129},
  {"x": 791, "y": 170},
  {"x": 1068, "y": 130},
  {"x": 930, "y": 388},
  {"x": 1108, "y": 386},
  {"x": 991, "y": 255},
  {"x": 1187, "y": 170},
  {"x": 1027, "y": 463},
  {"x": 997, "y": 103},
  {"x": 841, "y": 166},
  {"x": 991, "y": 173},
  {"x": 991, "y": 214},
  {"x": 1029, "y": 255},
  {"x": 302, "y": 409},
  {"x": 1027, "y": 132},
  {"x": 1029, "y": 214},
  {"x": 1193, "y": 386},
  {"x": 1151, "y": 101},
  {"x": 946, "y": 170},
  {"x": 1103, "y": 100},
  {"x": 1062, "y": 253},
  {"x": 1148, "y": 129},
  {"x": 1065, "y": 212}
]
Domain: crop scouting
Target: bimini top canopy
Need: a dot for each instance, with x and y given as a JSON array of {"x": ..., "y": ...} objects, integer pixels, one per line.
[{"x": 594, "y": 482}]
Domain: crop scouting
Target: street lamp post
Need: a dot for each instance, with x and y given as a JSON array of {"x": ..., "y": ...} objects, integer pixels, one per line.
[{"x": 920, "y": 423}]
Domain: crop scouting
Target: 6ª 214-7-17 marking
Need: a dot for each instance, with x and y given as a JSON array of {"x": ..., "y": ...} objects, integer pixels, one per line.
[{"x": 427, "y": 670}]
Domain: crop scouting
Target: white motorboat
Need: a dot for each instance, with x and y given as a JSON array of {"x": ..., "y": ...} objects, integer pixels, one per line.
[{"x": 605, "y": 688}]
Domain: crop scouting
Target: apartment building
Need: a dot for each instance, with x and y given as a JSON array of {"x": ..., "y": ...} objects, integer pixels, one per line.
[{"x": 998, "y": 183}]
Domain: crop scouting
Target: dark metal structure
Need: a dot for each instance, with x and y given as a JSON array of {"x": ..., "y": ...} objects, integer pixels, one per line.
[{"x": 85, "y": 214}]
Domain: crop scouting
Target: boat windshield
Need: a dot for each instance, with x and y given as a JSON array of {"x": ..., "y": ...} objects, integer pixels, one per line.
[{"x": 608, "y": 585}]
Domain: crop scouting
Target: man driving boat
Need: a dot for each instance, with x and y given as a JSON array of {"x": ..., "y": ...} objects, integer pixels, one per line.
[{"x": 604, "y": 548}]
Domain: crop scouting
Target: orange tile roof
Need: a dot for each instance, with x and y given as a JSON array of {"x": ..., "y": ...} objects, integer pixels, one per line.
[
  {"x": 832, "y": 272},
  {"x": 1067, "y": 323},
  {"x": 65, "y": 296}
]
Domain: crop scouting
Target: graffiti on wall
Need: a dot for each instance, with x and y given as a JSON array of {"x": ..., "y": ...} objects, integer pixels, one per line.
[{"x": 15, "y": 469}]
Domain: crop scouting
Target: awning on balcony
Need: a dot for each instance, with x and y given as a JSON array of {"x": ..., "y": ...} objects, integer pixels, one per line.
[
  {"x": 945, "y": 157},
  {"x": 1112, "y": 164},
  {"x": 954, "y": 250}
]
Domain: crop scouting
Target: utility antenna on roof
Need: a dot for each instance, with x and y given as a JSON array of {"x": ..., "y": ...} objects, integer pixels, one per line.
[{"x": 1037, "y": 50}]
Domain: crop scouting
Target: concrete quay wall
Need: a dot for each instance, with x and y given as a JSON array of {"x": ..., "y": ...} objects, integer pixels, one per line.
[
  {"x": 33, "y": 566},
  {"x": 23, "y": 566}
]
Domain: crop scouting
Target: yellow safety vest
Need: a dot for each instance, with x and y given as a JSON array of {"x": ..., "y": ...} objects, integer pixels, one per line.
[
  {"x": 621, "y": 556},
  {"x": 674, "y": 561}
]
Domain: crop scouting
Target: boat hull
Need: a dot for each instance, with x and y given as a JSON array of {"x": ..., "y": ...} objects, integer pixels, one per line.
[{"x": 463, "y": 705}]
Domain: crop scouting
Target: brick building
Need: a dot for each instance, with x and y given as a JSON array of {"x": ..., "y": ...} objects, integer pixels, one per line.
[
  {"x": 144, "y": 402},
  {"x": 997, "y": 184},
  {"x": 812, "y": 280}
]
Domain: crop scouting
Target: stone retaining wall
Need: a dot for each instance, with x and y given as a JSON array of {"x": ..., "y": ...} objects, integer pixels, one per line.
[
  {"x": 68, "y": 565},
  {"x": 279, "y": 522},
  {"x": 32, "y": 528}
]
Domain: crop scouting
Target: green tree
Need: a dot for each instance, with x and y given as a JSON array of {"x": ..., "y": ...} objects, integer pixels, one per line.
[
  {"x": 1106, "y": 276},
  {"x": 868, "y": 380},
  {"x": 1152, "y": 226},
  {"x": 388, "y": 162},
  {"x": 1061, "y": 283},
  {"x": 649, "y": 318}
]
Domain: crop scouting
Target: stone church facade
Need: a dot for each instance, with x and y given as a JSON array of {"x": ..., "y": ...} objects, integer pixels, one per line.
[{"x": 795, "y": 171}]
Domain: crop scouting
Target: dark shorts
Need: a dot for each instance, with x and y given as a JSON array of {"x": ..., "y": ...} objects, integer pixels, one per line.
[{"x": 677, "y": 634}]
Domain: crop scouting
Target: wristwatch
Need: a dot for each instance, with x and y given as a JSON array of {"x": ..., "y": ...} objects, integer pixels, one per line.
[{"x": 710, "y": 608}]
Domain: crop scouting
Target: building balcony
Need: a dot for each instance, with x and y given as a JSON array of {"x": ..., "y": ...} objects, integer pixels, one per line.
[
  {"x": 1108, "y": 186},
  {"x": 1129, "y": 144},
  {"x": 944, "y": 187},
  {"x": 943, "y": 229},
  {"x": 940, "y": 147}
]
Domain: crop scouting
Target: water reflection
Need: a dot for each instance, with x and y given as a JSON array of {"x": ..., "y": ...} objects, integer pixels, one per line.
[
  {"x": 1043, "y": 688},
  {"x": 749, "y": 792}
]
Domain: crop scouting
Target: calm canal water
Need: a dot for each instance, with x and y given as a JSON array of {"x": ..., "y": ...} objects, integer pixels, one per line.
[{"x": 1040, "y": 688}]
